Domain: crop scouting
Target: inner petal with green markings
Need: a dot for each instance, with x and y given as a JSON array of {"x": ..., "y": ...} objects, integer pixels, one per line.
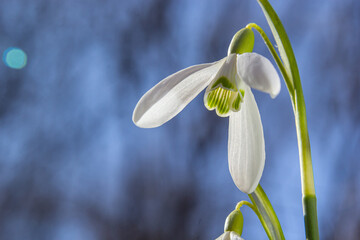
[{"x": 224, "y": 93}]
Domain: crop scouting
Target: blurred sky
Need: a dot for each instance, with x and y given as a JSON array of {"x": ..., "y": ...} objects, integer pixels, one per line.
[{"x": 74, "y": 166}]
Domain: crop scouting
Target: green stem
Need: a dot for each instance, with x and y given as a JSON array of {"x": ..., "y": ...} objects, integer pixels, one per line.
[
  {"x": 258, "y": 214},
  {"x": 262, "y": 203},
  {"x": 306, "y": 169},
  {"x": 276, "y": 57}
]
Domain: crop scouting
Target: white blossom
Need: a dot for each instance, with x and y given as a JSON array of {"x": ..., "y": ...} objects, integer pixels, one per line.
[{"x": 228, "y": 83}]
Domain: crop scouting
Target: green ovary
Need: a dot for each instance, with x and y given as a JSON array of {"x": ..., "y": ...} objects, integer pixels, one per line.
[{"x": 224, "y": 100}]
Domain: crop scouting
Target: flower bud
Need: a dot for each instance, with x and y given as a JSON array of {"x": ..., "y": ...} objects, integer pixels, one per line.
[
  {"x": 234, "y": 222},
  {"x": 242, "y": 42}
]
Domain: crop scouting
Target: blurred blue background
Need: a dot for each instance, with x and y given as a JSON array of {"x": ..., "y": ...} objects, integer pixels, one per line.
[{"x": 74, "y": 166}]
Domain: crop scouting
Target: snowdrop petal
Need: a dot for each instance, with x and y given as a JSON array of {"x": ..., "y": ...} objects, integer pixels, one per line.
[
  {"x": 258, "y": 72},
  {"x": 229, "y": 236},
  {"x": 224, "y": 236},
  {"x": 246, "y": 147},
  {"x": 172, "y": 94},
  {"x": 235, "y": 236}
]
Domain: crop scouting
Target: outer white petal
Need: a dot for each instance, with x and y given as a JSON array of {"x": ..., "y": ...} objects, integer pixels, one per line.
[
  {"x": 235, "y": 236},
  {"x": 172, "y": 94},
  {"x": 229, "y": 236},
  {"x": 246, "y": 146},
  {"x": 258, "y": 72},
  {"x": 224, "y": 236}
]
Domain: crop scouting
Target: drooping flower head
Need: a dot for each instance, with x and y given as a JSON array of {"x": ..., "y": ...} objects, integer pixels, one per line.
[{"x": 228, "y": 92}]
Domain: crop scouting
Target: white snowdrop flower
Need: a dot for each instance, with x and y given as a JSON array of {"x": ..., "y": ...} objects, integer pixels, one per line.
[{"x": 229, "y": 82}]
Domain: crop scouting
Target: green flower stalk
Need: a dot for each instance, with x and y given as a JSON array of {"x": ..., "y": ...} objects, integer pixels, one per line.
[
  {"x": 261, "y": 206},
  {"x": 290, "y": 72}
]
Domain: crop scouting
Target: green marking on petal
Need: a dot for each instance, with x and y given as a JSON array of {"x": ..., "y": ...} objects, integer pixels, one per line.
[
  {"x": 224, "y": 82},
  {"x": 237, "y": 101},
  {"x": 223, "y": 94},
  {"x": 224, "y": 100}
]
